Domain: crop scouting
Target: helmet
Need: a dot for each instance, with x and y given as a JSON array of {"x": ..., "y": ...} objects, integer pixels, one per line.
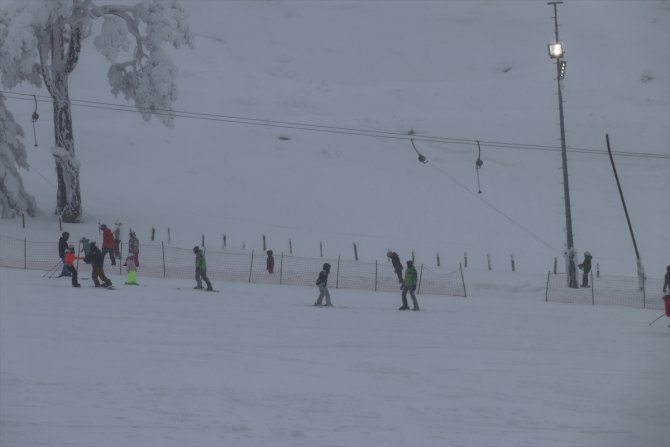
[
  {"x": 410, "y": 262},
  {"x": 66, "y": 234},
  {"x": 269, "y": 252},
  {"x": 587, "y": 254},
  {"x": 196, "y": 249},
  {"x": 326, "y": 266}
]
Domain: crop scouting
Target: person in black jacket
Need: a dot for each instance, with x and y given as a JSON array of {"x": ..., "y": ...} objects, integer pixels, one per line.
[
  {"x": 62, "y": 247},
  {"x": 585, "y": 266},
  {"x": 96, "y": 259},
  {"x": 397, "y": 265},
  {"x": 322, "y": 284}
]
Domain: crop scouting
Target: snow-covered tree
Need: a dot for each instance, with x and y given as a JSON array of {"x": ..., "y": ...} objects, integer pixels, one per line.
[
  {"x": 13, "y": 197},
  {"x": 40, "y": 42}
]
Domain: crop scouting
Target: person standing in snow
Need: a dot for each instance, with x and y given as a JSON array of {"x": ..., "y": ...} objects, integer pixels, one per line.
[
  {"x": 132, "y": 270},
  {"x": 107, "y": 243},
  {"x": 666, "y": 283},
  {"x": 97, "y": 259},
  {"x": 70, "y": 257},
  {"x": 322, "y": 284},
  {"x": 134, "y": 247},
  {"x": 409, "y": 285},
  {"x": 397, "y": 265},
  {"x": 201, "y": 269},
  {"x": 585, "y": 266},
  {"x": 62, "y": 248},
  {"x": 270, "y": 264}
]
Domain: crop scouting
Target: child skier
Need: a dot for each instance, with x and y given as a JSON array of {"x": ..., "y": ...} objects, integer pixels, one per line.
[
  {"x": 201, "y": 269},
  {"x": 322, "y": 284},
  {"x": 70, "y": 257},
  {"x": 270, "y": 263},
  {"x": 132, "y": 270}
]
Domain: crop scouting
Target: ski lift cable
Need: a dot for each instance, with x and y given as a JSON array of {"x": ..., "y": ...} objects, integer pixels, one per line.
[
  {"x": 328, "y": 129},
  {"x": 493, "y": 207}
]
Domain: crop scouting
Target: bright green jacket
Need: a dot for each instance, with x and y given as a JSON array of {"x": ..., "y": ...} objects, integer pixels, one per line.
[
  {"x": 410, "y": 277},
  {"x": 200, "y": 263}
]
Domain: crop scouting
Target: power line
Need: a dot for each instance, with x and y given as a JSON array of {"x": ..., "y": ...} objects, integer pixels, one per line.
[{"x": 231, "y": 119}]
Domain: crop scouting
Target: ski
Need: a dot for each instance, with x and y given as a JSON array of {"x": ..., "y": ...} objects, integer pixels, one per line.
[{"x": 199, "y": 290}]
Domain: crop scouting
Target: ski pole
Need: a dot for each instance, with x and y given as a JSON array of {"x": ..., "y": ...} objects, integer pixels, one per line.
[
  {"x": 52, "y": 269},
  {"x": 662, "y": 315}
]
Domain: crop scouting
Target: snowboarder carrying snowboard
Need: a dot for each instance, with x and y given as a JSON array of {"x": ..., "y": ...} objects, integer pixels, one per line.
[
  {"x": 322, "y": 284},
  {"x": 586, "y": 267},
  {"x": 201, "y": 269},
  {"x": 409, "y": 285}
]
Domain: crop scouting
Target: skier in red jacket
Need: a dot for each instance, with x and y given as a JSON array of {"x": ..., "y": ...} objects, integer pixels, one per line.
[
  {"x": 70, "y": 257},
  {"x": 108, "y": 245}
]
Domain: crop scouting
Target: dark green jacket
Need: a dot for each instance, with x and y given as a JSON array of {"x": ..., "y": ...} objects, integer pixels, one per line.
[
  {"x": 200, "y": 262},
  {"x": 410, "y": 277}
]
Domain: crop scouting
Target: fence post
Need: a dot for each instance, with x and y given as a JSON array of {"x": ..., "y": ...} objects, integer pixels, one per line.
[
  {"x": 512, "y": 259},
  {"x": 290, "y": 246},
  {"x": 488, "y": 260},
  {"x": 23, "y": 220},
  {"x": 60, "y": 223},
  {"x": 555, "y": 265},
  {"x": 420, "y": 276},
  {"x": 163, "y": 251},
  {"x": 465, "y": 258},
  {"x": 463, "y": 280},
  {"x": 321, "y": 248},
  {"x": 598, "y": 270},
  {"x": 25, "y": 253},
  {"x": 375, "y": 275},
  {"x": 251, "y": 268},
  {"x": 546, "y": 293},
  {"x": 153, "y": 232},
  {"x": 337, "y": 275},
  {"x": 281, "y": 267},
  {"x": 224, "y": 240},
  {"x": 264, "y": 246},
  {"x": 168, "y": 235},
  {"x": 355, "y": 252},
  {"x": 438, "y": 259}
]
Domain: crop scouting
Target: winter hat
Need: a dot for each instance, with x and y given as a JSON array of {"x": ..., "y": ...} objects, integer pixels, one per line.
[
  {"x": 410, "y": 262},
  {"x": 587, "y": 254},
  {"x": 326, "y": 266}
]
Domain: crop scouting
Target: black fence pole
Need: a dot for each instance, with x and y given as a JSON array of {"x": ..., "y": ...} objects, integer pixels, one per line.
[
  {"x": 593, "y": 292},
  {"x": 251, "y": 268},
  {"x": 25, "y": 253},
  {"x": 375, "y": 275},
  {"x": 163, "y": 250},
  {"x": 337, "y": 276},
  {"x": 281, "y": 267},
  {"x": 546, "y": 292}
]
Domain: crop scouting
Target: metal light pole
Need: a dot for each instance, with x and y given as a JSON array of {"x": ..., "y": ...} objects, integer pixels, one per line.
[{"x": 556, "y": 51}]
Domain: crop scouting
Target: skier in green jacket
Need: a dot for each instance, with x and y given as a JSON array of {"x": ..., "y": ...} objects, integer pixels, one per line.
[
  {"x": 201, "y": 269},
  {"x": 409, "y": 285}
]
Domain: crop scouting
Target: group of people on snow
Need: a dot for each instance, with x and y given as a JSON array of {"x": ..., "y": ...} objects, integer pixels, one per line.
[{"x": 96, "y": 257}]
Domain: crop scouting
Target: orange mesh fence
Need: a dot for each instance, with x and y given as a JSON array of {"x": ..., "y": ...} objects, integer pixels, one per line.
[
  {"x": 615, "y": 290},
  {"x": 160, "y": 261}
]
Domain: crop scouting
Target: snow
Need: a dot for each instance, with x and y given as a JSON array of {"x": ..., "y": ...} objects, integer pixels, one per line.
[{"x": 257, "y": 364}]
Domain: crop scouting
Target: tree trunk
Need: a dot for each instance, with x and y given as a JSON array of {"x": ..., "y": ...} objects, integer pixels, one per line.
[
  {"x": 68, "y": 204},
  {"x": 60, "y": 45}
]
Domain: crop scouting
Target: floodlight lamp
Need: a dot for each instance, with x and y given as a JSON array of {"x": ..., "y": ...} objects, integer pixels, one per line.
[{"x": 556, "y": 50}]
